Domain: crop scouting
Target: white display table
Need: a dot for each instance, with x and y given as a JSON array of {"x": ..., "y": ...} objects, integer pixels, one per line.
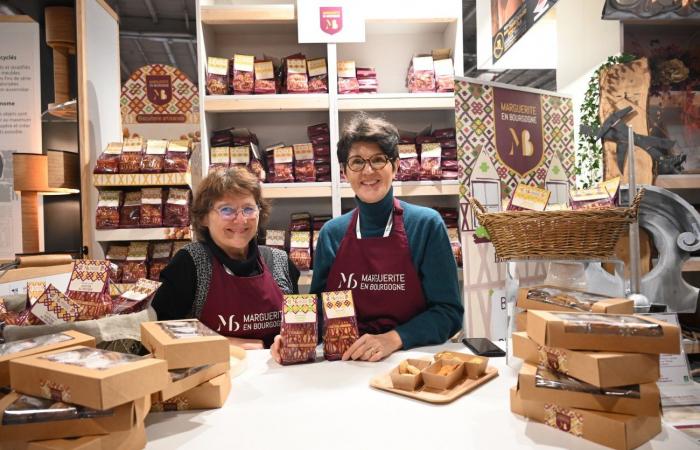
[{"x": 329, "y": 405}]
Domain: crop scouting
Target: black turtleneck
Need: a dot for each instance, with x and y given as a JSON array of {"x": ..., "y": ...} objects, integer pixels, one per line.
[{"x": 247, "y": 267}]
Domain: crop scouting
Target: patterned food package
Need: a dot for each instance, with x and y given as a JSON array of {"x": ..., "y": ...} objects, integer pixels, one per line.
[
  {"x": 217, "y": 76},
  {"x": 51, "y": 308},
  {"x": 300, "y": 249},
  {"x": 160, "y": 257},
  {"x": 243, "y": 79},
  {"x": 89, "y": 288},
  {"x": 154, "y": 159},
  {"x": 421, "y": 75},
  {"x": 137, "y": 298},
  {"x": 297, "y": 80},
  {"x": 444, "y": 75},
  {"x": 320, "y": 140},
  {"x": 135, "y": 266},
  {"x": 430, "y": 162},
  {"x": 318, "y": 75},
  {"x": 409, "y": 167},
  {"x": 275, "y": 238},
  {"x": 116, "y": 255},
  {"x": 530, "y": 198},
  {"x": 299, "y": 329},
  {"x": 177, "y": 157},
  {"x": 340, "y": 324},
  {"x": 367, "y": 79},
  {"x": 177, "y": 208},
  {"x": 284, "y": 164},
  {"x": 34, "y": 290},
  {"x": 300, "y": 222},
  {"x": 304, "y": 169},
  {"x": 108, "y": 161},
  {"x": 240, "y": 156},
  {"x": 132, "y": 153},
  {"x": 130, "y": 213},
  {"x": 347, "y": 78},
  {"x": 151, "y": 207},
  {"x": 107, "y": 214},
  {"x": 320, "y": 129},
  {"x": 220, "y": 158},
  {"x": 265, "y": 78}
]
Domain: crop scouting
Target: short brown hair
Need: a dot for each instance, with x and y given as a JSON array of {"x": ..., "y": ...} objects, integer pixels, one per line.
[
  {"x": 365, "y": 128},
  {"x": 237, "y": 181}
]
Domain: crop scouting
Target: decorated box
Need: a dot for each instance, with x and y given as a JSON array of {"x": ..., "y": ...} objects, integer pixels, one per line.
[
  {"x": 51, "y": 308},
  {"x": 182, "y": 380},
  {"x": 137, "y": 297},
  {"x": 299, "y": 329},
  {"x": 89, "y": 288},
  {"x": 120, "y": 440},
  {"x": 209, "y": 395},
  {"x": 340, "y": 324}
]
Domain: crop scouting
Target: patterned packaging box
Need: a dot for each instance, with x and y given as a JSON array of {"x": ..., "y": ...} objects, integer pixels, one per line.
[
  {"x": 340, "y": 324},
  {"x": 89, "y": 288},
  {"x": 137, "y": 298},
  {"x": 51, "y": 308}
]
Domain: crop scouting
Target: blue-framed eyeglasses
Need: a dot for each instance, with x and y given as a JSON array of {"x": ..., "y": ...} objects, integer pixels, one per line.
[{"x": 230, "y": 213}]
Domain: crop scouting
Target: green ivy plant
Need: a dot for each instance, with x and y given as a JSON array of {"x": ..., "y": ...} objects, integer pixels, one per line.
[{"x": 589, "y": 159}]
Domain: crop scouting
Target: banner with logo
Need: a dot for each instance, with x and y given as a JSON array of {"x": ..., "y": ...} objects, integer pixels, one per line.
[
  {"x": 511, "y": 19},
  {"x": 330, "y": 21}
]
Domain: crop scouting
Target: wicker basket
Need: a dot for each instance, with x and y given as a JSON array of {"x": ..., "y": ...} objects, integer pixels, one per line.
[{"x": 580, "y": 234}]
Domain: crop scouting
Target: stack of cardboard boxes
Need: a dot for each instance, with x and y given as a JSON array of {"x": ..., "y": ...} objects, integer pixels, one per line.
[
  {"x": 65, "y": 394},
  {"x": 198, "y": 361},
  {"x": 590, "y": 366}
]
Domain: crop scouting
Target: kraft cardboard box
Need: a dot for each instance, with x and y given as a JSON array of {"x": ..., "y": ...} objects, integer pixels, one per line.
[
  {"x": 409, "y": 381},
  {"x": 39, "y": 344},
  {"x": 26, "y": 416},
  {"x": 553, "y": 298},
  {"x": 618, "y": 431},
  {"x": 601, "y": 369},
  {"x": 542, "y": 384},
  {"x": 184, "y": 343},
  {"x": 182, "y": 380},
  {"x": 89, "y": 377},
  {"x": 603, "y": 332},
  {"x": 134, "y": 439},
  {"x": 209, "y": 395},
  {"x": 521, "y": 321}
]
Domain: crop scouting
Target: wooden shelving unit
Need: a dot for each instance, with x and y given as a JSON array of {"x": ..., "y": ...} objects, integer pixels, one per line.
[{"x": 247, "y": 14}]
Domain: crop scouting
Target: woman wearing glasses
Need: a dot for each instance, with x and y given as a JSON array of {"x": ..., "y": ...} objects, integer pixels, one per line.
[
  {"x": 394, "y": 256},
  {"x": 225, "y": 279}
]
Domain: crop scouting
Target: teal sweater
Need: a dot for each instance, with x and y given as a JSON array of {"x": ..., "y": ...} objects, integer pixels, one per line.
[{"x": 432, "y": 257}]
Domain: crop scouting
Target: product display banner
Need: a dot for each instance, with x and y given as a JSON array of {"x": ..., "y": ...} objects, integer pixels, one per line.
[{"x": 511, "y": 19}]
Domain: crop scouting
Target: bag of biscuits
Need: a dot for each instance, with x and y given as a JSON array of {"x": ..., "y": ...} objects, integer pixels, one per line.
[
  {"x": 299, "y": 329},
  {"x": 340, "y": 324}
]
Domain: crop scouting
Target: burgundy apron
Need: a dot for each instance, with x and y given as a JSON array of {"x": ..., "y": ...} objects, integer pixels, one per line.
[
  {"x": 243, "y": 307},
  {"x": 385, "y": 286}
]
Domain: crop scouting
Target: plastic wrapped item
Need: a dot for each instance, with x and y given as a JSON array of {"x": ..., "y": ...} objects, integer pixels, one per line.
[
  {"x": 421, "y": 75},
  {"x": 549, "y": 379},
  {"x": 27, "y": 409},
  {"x": 318, "y": 75},
  {"x": 409, "y": 167},
  {"x": 322, "y": 150},
  {"x": 449, "y": 153},
  {"x": 177, "y": 157},
  {"x": 130, "y": 213},
  {"x": 219, "y": 158},
  {"x": 445, "y": 133},
  {"x": 297, "y": 81},
  {"x": 367, "y": 80},
  {"x": 221, "y": 138},
  {"x": 299, "y": 329},
  {"x": 217, "y": 76},
  {"x": 320, "y": 129},
  {"x": 177, "y": 208},
  {"x": 132, "y": 153},
  {"x": 116, "y": 255},
  {"x": 300, "y": 249},
  {"x": 347, "y": 78},
  {"x": 108, "y": 161},
  {"x": 320, "y": 139},
  {"x": 265, "y": 82},
  {"x": 154, "y": 159},
  {"x": 596, "y": 197},
  {"x": 444, "y": 75},
  {"x": 243, "y": 78},
  {"x": 450, "y": 165},
  {"x": 151, "y": 208},
  {"x": 284, "y": 164},
  {"x": 616, "y": 324},
  {"x": 160, "y": 257},
  {"x": 304, "y": 170},
  {"x": 340, "y": 324},
  {"x": 137, "y": 298},
  {"x": 275, "y": 238},
  {"x": 323, "y": 170},
  {"x": 576, "y": 300},
  {"x": 430, "y": 162},
  {"x": 300, "y": 222},
  {"x": 107, "y": 214},
  {"x": 135, "y": 266}
]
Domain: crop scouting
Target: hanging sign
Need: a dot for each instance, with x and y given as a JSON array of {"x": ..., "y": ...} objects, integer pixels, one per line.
[{"x": 330, "y": 21}]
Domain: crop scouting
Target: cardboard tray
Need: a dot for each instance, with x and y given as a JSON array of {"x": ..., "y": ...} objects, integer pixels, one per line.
[{"x": 423, "y": 393}]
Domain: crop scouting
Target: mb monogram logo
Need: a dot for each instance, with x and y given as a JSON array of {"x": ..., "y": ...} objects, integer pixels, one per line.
[
  {"x": 230, "y": 325},
  {"x": 349, "y": 281}
]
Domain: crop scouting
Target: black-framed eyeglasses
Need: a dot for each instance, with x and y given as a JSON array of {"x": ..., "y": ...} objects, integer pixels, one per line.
[{"x": 377, "y": 162}]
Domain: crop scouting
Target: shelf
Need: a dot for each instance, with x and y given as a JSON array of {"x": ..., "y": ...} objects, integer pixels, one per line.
[
  {"x": 398, "y": 101},
  {"x": 265, "y": 103},
  {"x": 246, "y": 14},
  {"x": 413, "y": 188},
  {"x": 682, "y": 181},
  {"x": 142, "y": 179},
  {"x": 142, "y": 234},
  {"x": 296, "y": 190}
]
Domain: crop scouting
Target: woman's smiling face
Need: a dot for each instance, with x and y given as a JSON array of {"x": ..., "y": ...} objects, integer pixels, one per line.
[{"x": 370, "y": 185}]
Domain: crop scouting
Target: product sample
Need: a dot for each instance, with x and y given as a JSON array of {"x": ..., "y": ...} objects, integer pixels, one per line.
[
  {"x": 340, "y": 324},
  {"x": 217, "y": 76},
  {"x": 151, "y": 207},
  {"x": 304, "y": 169},
  {"x": 154, "y": 159},
  {"x": 409, "y": 167},
  {"x": 89, "y": 288},
  {"x": 108, "y": 161},
  {"x": 318, "y": 75},
  {"x": 265, "y": 78},
  {"x": 132, "y": 153},
  {"x": 300, "y": 249},
  {"x": 299, "y": 329},
  {"x": 130, "y": 213},
  {"x": 177, "y": 156},
  {"x": 107, "y": 213},
  {"x": 135, "y": 266},
  {"x": 177, "y": 208},
  {"x": 242, "y": 78}
]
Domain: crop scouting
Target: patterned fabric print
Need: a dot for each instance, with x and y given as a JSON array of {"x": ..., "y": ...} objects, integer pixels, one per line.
[
  {"x": 279, "y": 269},
  {"x": 134, "y": 100}
]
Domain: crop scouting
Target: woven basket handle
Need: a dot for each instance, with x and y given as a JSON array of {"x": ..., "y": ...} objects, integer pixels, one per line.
[
  {"x": 478, "y": 208},
  {"x": 633, "y": 209}
]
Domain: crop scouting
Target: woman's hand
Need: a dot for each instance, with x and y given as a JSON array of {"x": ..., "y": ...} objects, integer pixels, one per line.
[
  {"x": 275, "y": 349},
  {"x": 374, "y": 347},
  {"x": 247, "y": 344}
]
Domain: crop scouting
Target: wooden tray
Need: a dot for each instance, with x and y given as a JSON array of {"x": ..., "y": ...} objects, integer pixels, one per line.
[
  {"x": 238, "y": 360},
  {"x": 429, "y": 395}
]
